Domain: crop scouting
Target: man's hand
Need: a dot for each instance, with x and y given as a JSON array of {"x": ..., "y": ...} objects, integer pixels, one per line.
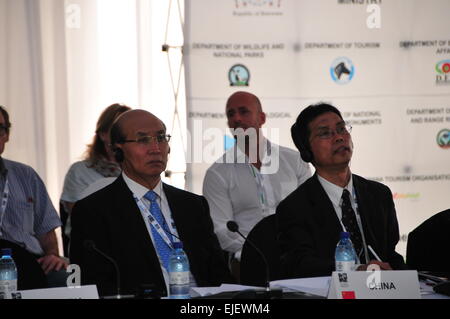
[
  {"x": 381, "y": 265},
  {"x": 52, "y": 262}
]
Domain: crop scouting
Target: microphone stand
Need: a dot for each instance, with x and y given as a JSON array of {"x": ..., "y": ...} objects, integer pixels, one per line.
[{"x": 90, "y": 245}]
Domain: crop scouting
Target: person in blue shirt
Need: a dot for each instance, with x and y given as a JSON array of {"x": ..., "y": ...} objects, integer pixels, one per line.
[{"x": 27, "y": 215}]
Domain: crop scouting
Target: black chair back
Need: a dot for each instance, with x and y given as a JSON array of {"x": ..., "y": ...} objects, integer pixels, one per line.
[
  {"x": 252, "y": 268},
  {"x": 428, "y": 247}
]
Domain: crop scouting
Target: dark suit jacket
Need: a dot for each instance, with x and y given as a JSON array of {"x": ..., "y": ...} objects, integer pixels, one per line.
[
  {"x": 309, "y": 228},
  {"x": 112, "y": 220}
]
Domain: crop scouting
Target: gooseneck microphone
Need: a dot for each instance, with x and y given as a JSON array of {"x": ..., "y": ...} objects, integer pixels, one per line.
[
  {"x": 90, "y": 246},
  {"x": 234, "y": 227}
]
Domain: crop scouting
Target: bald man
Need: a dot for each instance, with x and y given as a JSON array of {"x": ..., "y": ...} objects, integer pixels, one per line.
[
  {"x": 137, "y": 218},
  {"x": 248, "y": 182}
]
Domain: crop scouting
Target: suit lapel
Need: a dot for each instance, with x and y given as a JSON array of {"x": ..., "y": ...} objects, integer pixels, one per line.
[
  {"x": 366, "y": 209},
  {"x": 176, "y": 207},
  {"x": 132, "y": 225},
  {"x": 324, "y": 213}
]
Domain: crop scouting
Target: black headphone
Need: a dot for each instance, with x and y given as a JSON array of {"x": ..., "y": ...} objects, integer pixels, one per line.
[
  {"x": 305, "y": 152},
  {"x": 118, "y": 154}
]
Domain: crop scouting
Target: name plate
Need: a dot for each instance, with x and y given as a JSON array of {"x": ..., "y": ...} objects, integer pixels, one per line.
[
  {"x": 395, "y": 284},
  {"x": 83, "y": 292}
]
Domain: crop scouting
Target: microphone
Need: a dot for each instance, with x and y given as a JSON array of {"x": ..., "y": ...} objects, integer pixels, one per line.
[
  {"x": 234, "y": 227},
  {"x": 90, "y": 246}
]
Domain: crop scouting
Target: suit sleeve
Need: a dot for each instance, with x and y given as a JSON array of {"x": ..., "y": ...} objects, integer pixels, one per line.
[
  {"x": 395, "y": 259},
  {"x": 87, "y": 224},
  {"x": 299, "y": 254}
]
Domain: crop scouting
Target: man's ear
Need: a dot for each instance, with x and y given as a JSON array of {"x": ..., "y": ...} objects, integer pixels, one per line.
[{"x": 262, "y": 118}]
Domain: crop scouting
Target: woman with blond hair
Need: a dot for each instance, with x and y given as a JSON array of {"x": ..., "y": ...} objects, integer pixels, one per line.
[{"x": 98, "y": 163}]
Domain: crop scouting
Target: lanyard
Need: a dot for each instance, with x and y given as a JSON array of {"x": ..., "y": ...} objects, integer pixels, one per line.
[
  {"x": 153, "y": 222},
  {"x": 5, "y": 197},
  {"x": 259, "y": 185}
]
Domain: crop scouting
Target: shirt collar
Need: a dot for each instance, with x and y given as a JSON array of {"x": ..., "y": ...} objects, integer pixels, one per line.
[
  {"x": 334, "y": 191},
  {"x": 139, "y": 190}
]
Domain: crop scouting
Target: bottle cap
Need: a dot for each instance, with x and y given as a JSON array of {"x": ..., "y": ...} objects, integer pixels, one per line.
[
  {"x": 178, "y": 245},
  {"x": 6, "y": 252},
  {"x": 345, "y": 235}
]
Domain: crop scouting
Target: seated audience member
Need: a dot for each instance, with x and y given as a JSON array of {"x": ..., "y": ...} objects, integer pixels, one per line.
[
  {"x": 333, "y": 200},
  {"x": 27, "y": 215},
  {"x": 246, "y": 188},
  {"x": 98, "y": 163},
  {"x": 123, "y": 219}
]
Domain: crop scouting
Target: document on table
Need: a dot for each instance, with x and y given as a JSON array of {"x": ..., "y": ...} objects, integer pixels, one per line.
[
  {"x": 316, "y": 285},
  {"x": 207, "y": 291}
]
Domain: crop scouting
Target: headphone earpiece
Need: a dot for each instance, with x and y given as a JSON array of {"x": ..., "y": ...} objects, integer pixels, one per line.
[
  {"x": 118, "y": 155},
  {"x": 305, "y": 153}
]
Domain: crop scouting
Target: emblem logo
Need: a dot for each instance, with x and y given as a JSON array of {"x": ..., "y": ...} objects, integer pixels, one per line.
[
  {"x": 342, "y": 70},
  {"x": 443, "y": 72},
  {"x": 443, "y": 138},
  {"x": 239, "y": 75}
]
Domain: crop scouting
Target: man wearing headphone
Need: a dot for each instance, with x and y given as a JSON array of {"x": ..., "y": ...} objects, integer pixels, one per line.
[
  {"x": 137, "y": 219},
  {"x": 333, "y": 200}
]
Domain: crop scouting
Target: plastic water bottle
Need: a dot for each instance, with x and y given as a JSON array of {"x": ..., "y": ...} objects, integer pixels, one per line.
[
  {"x": 179, "y": 278},
  {"x": 345, "y": 255},
  {"x": 8, "y": 275}
]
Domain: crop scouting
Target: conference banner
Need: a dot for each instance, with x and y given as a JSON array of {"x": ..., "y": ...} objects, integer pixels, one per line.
[{"x": 384, "y": 64}]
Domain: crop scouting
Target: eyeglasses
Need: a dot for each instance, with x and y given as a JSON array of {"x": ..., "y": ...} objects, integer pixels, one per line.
[
  {"x": 146, "y": 140},
  {"x": 3, "y": 129},
  {"x": 341, "y": 129}
]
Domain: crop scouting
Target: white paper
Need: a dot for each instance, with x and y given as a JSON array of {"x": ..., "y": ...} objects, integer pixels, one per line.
[
  {"x": 315, "y": 285},
  {"x": 207, "y": 291}
]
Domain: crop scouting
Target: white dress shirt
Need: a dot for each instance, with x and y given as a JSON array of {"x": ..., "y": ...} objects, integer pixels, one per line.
[
  {"x": 139, "y": 191},
  {"x": 238, "y": 191},
  {"x": 334, "y": 192}
]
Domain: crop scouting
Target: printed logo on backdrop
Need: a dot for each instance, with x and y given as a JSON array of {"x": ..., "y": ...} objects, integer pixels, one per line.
[
  {"x": 342, "y": 70},
  {"x": 443, "y": 72},
  {"x": 239, "y": 75},
  {"x": 443, "y": 138}
]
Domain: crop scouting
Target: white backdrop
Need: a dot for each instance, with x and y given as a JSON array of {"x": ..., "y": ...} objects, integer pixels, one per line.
[
  {"x": 397, "y": 98},
  {"x": 63, "y": 61}
]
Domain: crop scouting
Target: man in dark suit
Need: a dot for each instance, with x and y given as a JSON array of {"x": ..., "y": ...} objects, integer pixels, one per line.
[
  {"x": 333, "y": 200},
  {"x": 137, "y": 218}
]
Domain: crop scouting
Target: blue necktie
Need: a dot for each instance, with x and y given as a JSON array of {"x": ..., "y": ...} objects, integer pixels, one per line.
[{"x": 161, "y": 246}]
